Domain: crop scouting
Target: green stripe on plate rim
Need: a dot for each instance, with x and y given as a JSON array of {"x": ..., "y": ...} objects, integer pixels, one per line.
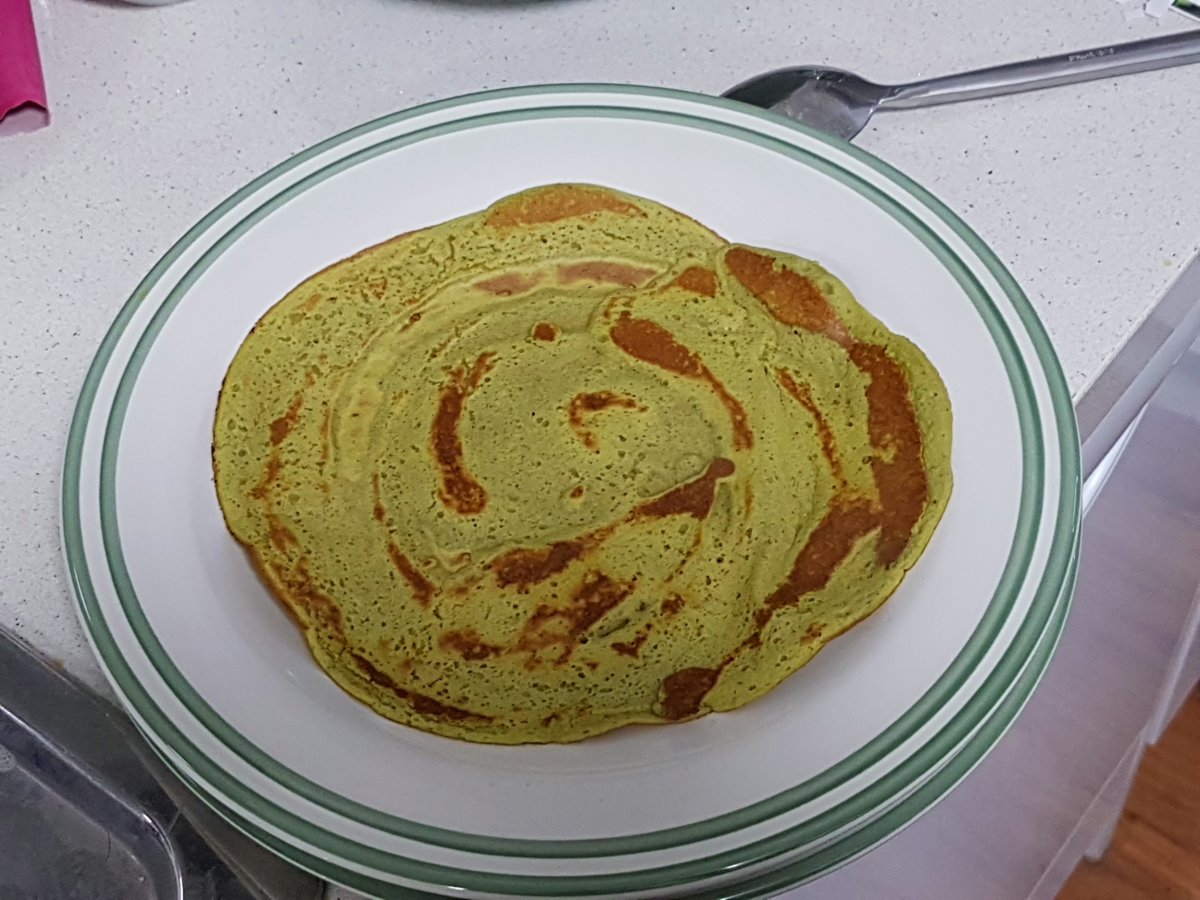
[
  {"x": 72, "y": 531},
  {"x": 790, "y": 874}
]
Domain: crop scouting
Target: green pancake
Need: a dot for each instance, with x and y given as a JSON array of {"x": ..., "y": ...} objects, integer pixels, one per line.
[{"x": 574, "y": 462}]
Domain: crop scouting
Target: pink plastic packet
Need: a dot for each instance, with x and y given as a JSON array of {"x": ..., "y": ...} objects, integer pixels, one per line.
[{"x": 21, "y": 82}]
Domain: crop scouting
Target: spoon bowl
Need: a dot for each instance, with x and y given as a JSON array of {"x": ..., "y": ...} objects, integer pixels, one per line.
[
  {"x": 833, "y": 100},
  {"x": 841, "y": 103}
]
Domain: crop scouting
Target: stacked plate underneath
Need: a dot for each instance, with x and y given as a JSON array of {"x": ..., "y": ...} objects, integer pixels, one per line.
[{"x": 845, "y": 753}]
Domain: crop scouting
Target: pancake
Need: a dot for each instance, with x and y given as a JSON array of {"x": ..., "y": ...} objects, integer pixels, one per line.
[{"x": 573, "y": 463}]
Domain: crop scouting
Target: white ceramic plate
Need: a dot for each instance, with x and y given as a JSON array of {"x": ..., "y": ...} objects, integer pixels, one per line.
[
  {"x": 783, "y": 872},
  {"x": 219, "y": 679}
]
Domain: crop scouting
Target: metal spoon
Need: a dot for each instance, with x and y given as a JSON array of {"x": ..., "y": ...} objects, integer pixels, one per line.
[{"x": 841, "y": 103}]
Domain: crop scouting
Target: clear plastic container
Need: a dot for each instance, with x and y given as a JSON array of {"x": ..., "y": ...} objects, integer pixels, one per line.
[
  {"x": 65, "y": 834},
  {"x": 88, "y": 813}
]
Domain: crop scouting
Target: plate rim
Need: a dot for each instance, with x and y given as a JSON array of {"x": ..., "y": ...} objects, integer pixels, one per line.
[
  {"x": 840, "y": 852},
  {"x": 983, "y": 636},
  {"x": 1048, "y": 364}
]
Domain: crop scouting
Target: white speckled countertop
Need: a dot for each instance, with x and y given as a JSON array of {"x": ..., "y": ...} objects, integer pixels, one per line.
[{"x": 160, "y": 112}]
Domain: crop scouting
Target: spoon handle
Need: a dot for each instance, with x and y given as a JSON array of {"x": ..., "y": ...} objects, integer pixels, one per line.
[{"x": 1034, "y": 74}]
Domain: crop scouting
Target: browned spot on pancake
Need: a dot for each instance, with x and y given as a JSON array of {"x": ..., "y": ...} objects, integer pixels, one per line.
[
  {"x": 564, "y": 626},
  {"x": 465, "y": 587},
  {"x": 603, "y": 272},
  {"x": 307, "y": 306},
  {"x": 577, "y": 492},
  {"x": 693, "y": 498},
  {"x": 549, "y": 720},
  {"x": 672, "y": 604},
  {"x": 302, "y": 590},
  {"x": 898, "y": 467},
  {"x": 651, "y": 343},
  {"x": 468, "y": 645},
  {"x": 631, "y": 648},
  {"x": 684, "y": 691},
  {"x": 509, "y": 284},
  {"x": 848, "y": 520},
  {"x": 556, "y": 203},
  {"x": 285, "y": 423},
  {"x": 378, "y": 286},
  {"x": 698, "y": 280},
  {"x": 545, "y": 331},
  {"x": 378, "y": 511},
  {"x": 791, "y": 298},
  {"x": 423, "y": 589},
  {"x": 899, "y": 470},
  {"x": 596, "y": 596},
  {"x": 281, "y": 537},
  {"x": 427, "y": 706},
  {"x": 277, "y": 575},
  {"x": 422, "y": 704},
  {"x": 325, "y": 423},
  {"x": 829, "y": 450},
  {"x": 590, "y": 402},
  {"x": 459, "y": 489},
  {"x": 274, "y": 467},
  {"x": 587, "y": 403},
  {"x": 376, "y": 675},
  {"x": 524, "y": 567},
  {"x": 813, "y": 632}
]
